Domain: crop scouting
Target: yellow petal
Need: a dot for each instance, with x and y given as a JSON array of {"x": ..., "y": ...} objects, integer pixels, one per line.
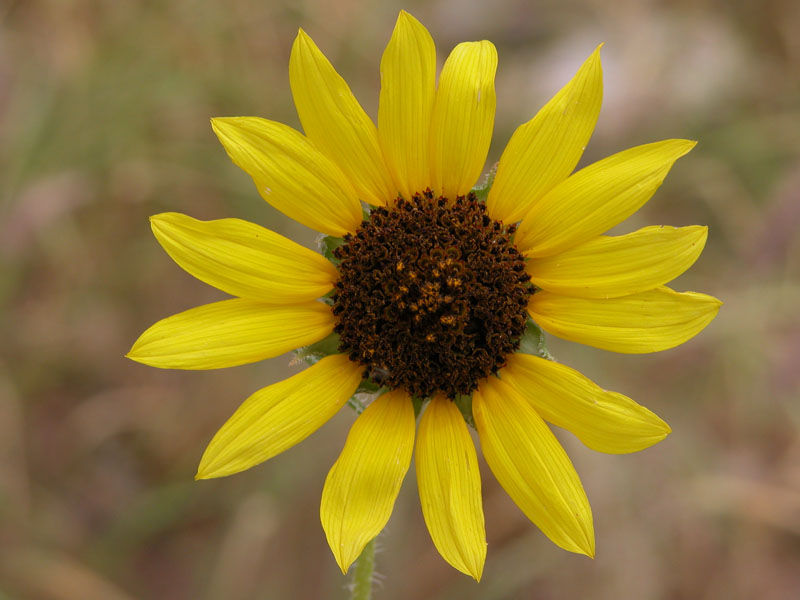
[
  {"x": 647, "y": 322},
  {"x": 608, "y": 267},
  {"x": 450, "y": 487},
  {"x": 279, "y": 416},
  {"x": 605, "y": 421},
  {"x": 363, "y": 483},
  {"x": 290, "y": 173},
  {"x": 334, "y": 120},
  {"x": 463, "y": 117},
  {"x": 596, "y": 198},
  {"x": 544, "y": 151},
  {"x": 231, "y": 332},
  {"x": 244, "y": 259},
  {"x": 408, "y": 89},
  {"x": 532, "y": 466}
]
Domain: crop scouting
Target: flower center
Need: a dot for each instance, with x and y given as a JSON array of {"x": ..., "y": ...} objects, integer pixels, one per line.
[{"x": 432, "y": 295}]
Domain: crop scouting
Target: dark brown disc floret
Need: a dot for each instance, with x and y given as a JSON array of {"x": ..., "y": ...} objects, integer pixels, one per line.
[{"x": 432, "y": 295}]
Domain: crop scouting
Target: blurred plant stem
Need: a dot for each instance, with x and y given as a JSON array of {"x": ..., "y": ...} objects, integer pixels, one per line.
[{"x": 362, "y": 578}]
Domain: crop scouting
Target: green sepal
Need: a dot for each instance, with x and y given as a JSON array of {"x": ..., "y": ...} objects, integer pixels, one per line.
[
  {"x": 464, "y": 404},
  {"x": 356, "y": 404},
  {"x": 533, "y": 341},
  {"x": 418, "y": 404},
  {"x": 367, "y": 386},
  {"x": 328, "y": 298},
  {"x": 481, "y": 190},
  {"x": 365, "y": 394},
  {"x": 319, "y": 350},
  {"x": 327, "y": 244}
]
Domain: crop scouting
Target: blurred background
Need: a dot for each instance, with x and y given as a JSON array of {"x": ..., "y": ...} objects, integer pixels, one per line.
[{"x": 104, "y": 110}]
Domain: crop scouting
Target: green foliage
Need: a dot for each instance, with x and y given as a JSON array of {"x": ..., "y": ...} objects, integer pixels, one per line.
[
  {"x": 533, "y": 341},
  {"x": 316, "y": 352},
  {"x": 464, "y": 404},
  {"x": 327, "y": 244},
  {"x": 481, "y": 190}
]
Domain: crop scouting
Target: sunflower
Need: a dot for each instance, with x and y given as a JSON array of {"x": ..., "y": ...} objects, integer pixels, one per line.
[{"x": 428, "y": 290}]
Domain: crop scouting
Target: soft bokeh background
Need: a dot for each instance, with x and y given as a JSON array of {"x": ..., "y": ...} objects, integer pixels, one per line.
[{"x": 104, "y": 110}]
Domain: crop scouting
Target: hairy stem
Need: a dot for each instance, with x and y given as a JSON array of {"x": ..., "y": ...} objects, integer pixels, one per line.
[{"x": 362, "y": 578}]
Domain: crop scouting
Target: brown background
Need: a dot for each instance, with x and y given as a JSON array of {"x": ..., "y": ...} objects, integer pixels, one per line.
[{"x": 104, "y": 110}]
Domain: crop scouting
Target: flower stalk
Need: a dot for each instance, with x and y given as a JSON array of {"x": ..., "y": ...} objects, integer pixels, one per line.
[{"x": 362, "y": 577}]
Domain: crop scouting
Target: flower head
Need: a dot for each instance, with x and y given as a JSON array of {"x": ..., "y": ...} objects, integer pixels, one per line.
[{"x": 428, "y": 297}]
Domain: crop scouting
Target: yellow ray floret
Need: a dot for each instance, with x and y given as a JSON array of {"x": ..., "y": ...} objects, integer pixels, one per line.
[
  {"x": 532, "y": 467},
  {"x": 334, "y": 120},
  {"x": 609, "y": 267},
  {"x": 279, "y": 416},
  {"x": 244, "y": 259},
  {"x": 647, "y": 322},
  {"x": 363, "y": 483},
  {"x": 408, "y": 89},
  {"x": 604, "y": 421},
  {"x": 450, "y": 487},
  {"x": 463, "y": 117},
  {"x": 597, "y": 197},
  {"x": 230, "y": 333},
  {"x": 291, "y": 174},
  {"x": 544, "y": 151}
]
